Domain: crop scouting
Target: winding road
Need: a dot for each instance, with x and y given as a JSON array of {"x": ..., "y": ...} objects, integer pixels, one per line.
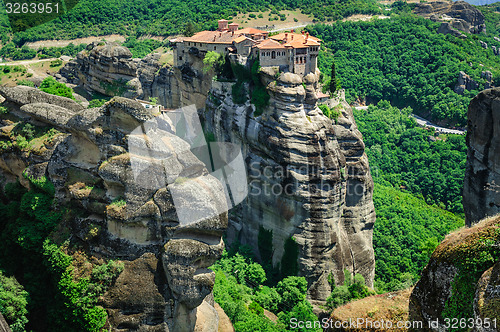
[{"x": 426, "y": 123}]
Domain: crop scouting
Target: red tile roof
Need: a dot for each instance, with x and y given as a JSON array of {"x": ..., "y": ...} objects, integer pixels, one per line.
[
  {"x": 252, "y": 31},
  {"x": 213, "y": 37},
  {"x": 293, "y": 36},
  {"x": 268, "y": 44}
]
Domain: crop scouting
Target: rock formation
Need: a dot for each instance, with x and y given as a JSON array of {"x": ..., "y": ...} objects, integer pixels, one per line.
[
  {"x": 119, "y": 214},
  {"x": 457, "y": 16},
  {"x": 4, "y": 327},
  {"x": 461, "y": 280},
  {"x": 109, "y": 69},
  {"x": 449, "y": 28},
  {"x": 465, "y": 82},
  {"x": 328, "y": 208},
  {"x": 308, "y": 178},
  {"x": 481, "y": 195}
]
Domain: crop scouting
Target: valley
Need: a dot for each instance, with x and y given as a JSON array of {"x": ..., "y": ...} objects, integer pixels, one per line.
[{"x": 390, "y": 210}]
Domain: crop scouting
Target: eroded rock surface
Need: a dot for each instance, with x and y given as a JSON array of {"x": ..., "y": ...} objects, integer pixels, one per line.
[
  {"x": 461, "y": 279},
  {"x": 308, "y": 178},
  {"x": 123, "y": 214},
  {"x": 109, "y": 69},
  {"x": 458, "y": 16},
  {"x": 481, "y": 195}
]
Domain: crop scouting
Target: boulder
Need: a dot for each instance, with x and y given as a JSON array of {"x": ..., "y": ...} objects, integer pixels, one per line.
[
  {"x": 465, "y": 82},
  {"x": 461, "y": 279}
]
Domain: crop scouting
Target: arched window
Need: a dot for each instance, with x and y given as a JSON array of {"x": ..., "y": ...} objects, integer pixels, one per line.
[{"x": 273, "y": 55}]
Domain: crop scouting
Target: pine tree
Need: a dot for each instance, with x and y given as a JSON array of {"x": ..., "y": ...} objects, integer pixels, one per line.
[
  {"x": 189, "y": 30},
  {"x": 333, "y": 81}
]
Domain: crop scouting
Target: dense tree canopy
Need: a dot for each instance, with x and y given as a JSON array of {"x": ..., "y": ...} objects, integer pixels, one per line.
[
  {"x": 403, "y": 59},
  {"x": 158, "y": 17},
  {"x": 413, "y": 158},
  {"x": 416, "y": 176}
]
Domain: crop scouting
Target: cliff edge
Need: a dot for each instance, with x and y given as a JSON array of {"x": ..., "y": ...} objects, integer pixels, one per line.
[{"x": 310, "y": 187}]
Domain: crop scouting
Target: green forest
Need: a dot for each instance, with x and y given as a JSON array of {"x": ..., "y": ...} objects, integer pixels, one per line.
[
  {"x": 418, "y": 178},
  {"x": 415, "y": 159},
  {"x": 163, "y": 18},
  {"x": 404, "y": 60},
  {"x": 401, "y": 65}
]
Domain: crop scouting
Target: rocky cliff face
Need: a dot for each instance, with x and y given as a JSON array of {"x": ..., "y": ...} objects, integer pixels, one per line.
[
  {"x": 308, "y": 179},
  {"x": 323, "y": 197},
  {"x": 125, "y": 215},
  {"x": 461, "y": 280},
  {"x": 109, "y": 69},
  {"x": 481, "y": 195},
  {"x": 456, "y": 16}
]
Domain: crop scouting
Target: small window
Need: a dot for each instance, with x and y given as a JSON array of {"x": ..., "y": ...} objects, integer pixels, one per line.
[
  {"x": 180, "y": 58},
  {"x": 273, "y": 55},
  {"x": 215, "y": 47}
]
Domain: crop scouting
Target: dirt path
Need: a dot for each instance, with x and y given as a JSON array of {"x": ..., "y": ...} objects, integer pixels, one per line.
[
  {"x": 78, "y": 41},
  {"x": 361, "y": 17},
  {"x": 25, "y": 62}
]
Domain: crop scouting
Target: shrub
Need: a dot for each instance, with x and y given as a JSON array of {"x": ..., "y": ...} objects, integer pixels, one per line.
[
  {"x": 96, "y": 103},
  {"x": 13, "y": 303},
  {"x": 268, "y": 298},
  {"x": 292, "y": 290},
  {"x": 353, "y": 289},
  {"x": 28, "y": 131},
  {"x": 26, "y": 83},
  {"x": 256, "y": 308},
  {"x": 330, "y": 113},
  {"x": 260, "y": 98},
  {"x": 212, "y": 60},
  {"x": 14, "y": 191},
  {"x": 50, "y": 85},
  {"x": 289, "y": 261},
  {"x": 56, "y": 63},
  {"x": 239, "y": 93}
]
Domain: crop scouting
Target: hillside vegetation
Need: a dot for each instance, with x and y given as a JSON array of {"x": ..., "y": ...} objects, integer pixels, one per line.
[
  {"x": 404, "y": 60},
  {"x": 417, "y": 176},
  {"x": 163, "y": 18}
]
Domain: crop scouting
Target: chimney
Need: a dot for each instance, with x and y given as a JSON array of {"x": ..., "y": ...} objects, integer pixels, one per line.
[
  {"x": 233, "y": 27},
  {"x": 232, "y": 33},
  {"x": 302, "y": 31},
  {"x": 222, "y": 25},
  {"x": 286, "y": 36},
  {"x": 307, "y": 36}
]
